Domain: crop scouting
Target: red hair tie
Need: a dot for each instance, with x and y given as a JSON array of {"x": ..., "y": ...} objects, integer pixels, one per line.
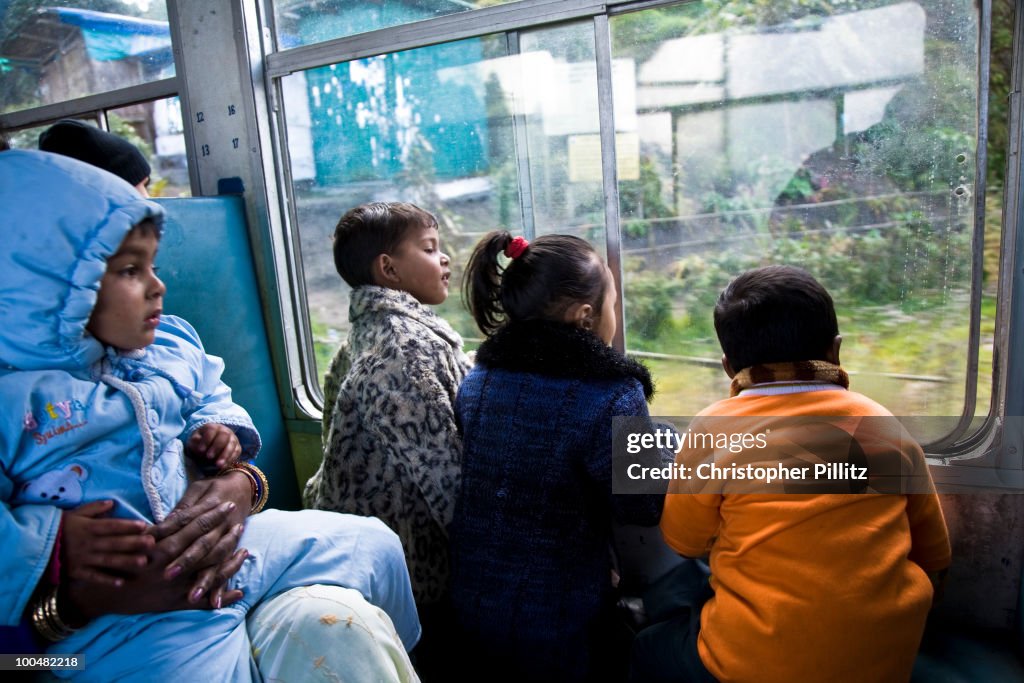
[{"x": 516, "y": 247}]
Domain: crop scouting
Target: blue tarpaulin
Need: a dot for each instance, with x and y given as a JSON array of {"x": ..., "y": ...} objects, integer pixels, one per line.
[{"x": 109, "y": 37}]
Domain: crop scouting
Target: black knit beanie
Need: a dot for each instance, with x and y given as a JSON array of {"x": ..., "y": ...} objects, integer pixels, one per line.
[{"x": 97, "y": 147}]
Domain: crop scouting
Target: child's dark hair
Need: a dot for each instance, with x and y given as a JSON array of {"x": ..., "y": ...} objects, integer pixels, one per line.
[
  {"x": 369, "y": 230},
  {"x": 148, "y": 227},
  {"x": 554, "y": 272},
  {"x": 774, "y": 314}
]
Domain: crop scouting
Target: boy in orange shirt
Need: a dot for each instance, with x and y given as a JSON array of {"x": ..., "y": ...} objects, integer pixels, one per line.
[{"x": 807, "y": 586}]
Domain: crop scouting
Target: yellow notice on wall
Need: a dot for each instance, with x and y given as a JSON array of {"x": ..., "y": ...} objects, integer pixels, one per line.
[{"x": 585, "y": 157}]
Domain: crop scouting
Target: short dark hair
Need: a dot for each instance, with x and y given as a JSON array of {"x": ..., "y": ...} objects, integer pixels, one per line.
[
  {"x": 775, "y": 314},
  {"x": 369, "y": 230}
]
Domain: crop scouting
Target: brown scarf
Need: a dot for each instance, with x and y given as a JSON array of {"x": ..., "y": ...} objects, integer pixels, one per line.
[{"x": 800, "y": 371}]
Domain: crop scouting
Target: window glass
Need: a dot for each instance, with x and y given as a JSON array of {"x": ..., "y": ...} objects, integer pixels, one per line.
[
  {"x": 156, "y": 129},
  {"x": 562, "y": 122},
  {"x": 303, "y": 22},
  {"x": 840, "y": 137},
  {"x": 59, "y": 50},
  {"x": 28, "y": 138},
  {"x": 477, "y": 134},
  {"x": 410, "y": 126}
]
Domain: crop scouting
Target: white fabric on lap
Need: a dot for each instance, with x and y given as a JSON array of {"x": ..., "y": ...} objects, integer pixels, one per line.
[{"x": 327, "y": 633}]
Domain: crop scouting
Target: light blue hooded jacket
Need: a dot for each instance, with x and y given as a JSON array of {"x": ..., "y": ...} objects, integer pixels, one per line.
[
  {"x": 83, "y": 422},
  {"x": 80, "y": 422}
]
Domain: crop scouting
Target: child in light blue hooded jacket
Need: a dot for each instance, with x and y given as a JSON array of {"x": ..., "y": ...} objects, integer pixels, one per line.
[{"x": 99, "y": 391}]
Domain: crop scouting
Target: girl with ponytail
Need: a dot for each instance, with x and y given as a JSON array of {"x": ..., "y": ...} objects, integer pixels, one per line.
[{"x": 531, "y": 586}]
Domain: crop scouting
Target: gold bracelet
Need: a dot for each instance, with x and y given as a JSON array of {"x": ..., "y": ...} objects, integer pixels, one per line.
[
  {"x": 254, "y": 486},
  {"x": 46, "y": 619},
  {"x": 258, "y": 480},
  {"x": 264, "y": 485},
  {"x": 40, "y": 625}
]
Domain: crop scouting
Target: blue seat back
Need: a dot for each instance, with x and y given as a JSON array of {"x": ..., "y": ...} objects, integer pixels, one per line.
[{"x": 206, "y": 261}]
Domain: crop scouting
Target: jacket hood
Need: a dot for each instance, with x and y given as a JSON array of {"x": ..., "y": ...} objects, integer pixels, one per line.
[{"x": 60, "y": 221}]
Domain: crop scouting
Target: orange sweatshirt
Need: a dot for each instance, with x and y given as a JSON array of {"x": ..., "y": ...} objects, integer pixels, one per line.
[{"x": 823, "y": 587}]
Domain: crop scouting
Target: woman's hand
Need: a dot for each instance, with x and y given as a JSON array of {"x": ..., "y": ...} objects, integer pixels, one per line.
[
  {"x": 213, "y": 444},
  {"x": 203, "y": 554},
  {"x": 149, "y": 589}
]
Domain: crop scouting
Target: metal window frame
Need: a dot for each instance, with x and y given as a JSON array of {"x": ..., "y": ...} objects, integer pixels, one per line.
[
  {"x": 515, "y": 16},
  {"x": 90, "y": 104},
  {"x": 959, "y": 434},
  {"x": 609, "y": 167},
  {"x": 522, "y": 147}
]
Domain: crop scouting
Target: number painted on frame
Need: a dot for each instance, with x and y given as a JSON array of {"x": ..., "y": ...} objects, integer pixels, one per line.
[
  {"x": 199, "y": 117},
  {"x": 205, "y": 150}
]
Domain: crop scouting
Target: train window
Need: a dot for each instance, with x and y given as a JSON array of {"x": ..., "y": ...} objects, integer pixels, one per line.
[
  {"x": 396, "y": 127},
  {"x": 28, "y": 138},
  {"x": 156, "y": 129},
  {"x": 842, "y": 137},
  {"x": 438, "y": 126},
  {"x": 844, "y": 141},
  {"x": 302, "y": 22},
  {"x": 153, "y": 127},
  {"x": 106, "y": 62},
  {"x": 60, "y": 50}
]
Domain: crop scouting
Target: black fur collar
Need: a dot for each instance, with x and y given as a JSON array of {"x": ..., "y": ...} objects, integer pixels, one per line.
[{"x": 559, "y": 350}]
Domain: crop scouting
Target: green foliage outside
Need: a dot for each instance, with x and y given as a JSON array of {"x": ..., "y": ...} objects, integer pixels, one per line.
[
  {"x": 122, "y": 128},
  {"x": 910, "y": 267},
  {"x": 999, "y": 93}
]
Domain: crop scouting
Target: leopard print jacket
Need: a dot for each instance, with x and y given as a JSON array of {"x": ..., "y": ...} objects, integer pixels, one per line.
[{"x": 390, "y": 444}]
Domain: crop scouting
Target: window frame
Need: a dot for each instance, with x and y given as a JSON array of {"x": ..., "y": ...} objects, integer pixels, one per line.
[{"x": 97, "y": 105}]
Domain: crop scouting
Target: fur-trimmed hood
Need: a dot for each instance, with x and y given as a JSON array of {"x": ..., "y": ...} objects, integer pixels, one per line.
[{"x": 558, "y": 349}]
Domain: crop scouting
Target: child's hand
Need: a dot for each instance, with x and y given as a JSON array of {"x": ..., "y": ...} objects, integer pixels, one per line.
[
  {"x": 213, "y": 444},
  {"x": 101, "y": 550}
]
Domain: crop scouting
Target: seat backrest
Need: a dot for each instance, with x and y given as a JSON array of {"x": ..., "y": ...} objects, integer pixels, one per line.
[{"x": 206, "y": 261}]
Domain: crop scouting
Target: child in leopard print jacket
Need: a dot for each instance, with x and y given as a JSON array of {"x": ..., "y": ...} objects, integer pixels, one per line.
[{"x": 390, "y": 444}]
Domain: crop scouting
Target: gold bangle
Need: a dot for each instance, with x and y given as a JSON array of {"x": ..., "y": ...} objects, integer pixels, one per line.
[
  {"x": 40, "y": 625},
  {"x": 58, "y": 623},
  {"x": 260, "y": 485},
  {"x": 264, "y": 485},
  {"x": 254, "y": 486},
  {"x": 46, "y": 619}
]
